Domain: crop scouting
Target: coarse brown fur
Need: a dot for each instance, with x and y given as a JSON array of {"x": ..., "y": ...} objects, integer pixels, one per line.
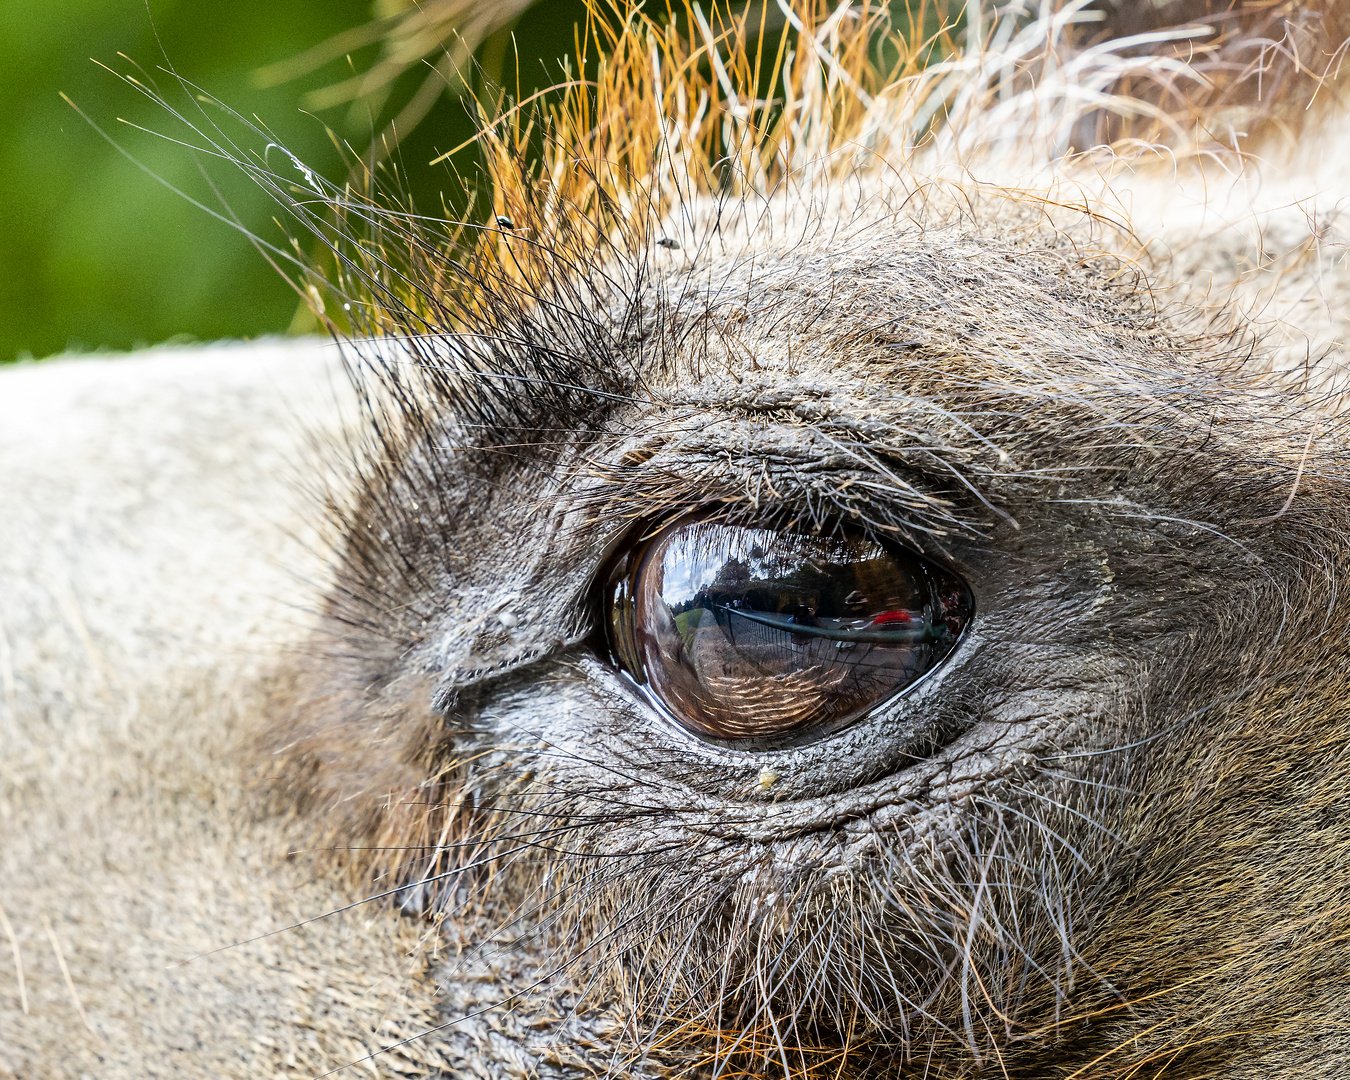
[{"x": 1107, "y": 837}]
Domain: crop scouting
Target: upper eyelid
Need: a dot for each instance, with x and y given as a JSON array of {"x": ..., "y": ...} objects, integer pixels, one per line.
[
  {"x": 656, "y": 481},
  {"x": 765, "y": 438}
]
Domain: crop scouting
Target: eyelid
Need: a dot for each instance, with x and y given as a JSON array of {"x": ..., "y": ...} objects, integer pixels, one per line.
[{"x": 928, "y": 502}]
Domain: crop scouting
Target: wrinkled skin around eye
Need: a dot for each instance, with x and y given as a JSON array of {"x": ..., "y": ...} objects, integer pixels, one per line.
[{"x": 756, "y": 634}]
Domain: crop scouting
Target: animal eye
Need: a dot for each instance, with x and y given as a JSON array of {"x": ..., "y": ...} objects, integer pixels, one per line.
[{"x": 759, "y": 634}]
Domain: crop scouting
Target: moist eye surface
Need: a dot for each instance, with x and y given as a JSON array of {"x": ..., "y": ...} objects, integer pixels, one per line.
[{"x": 754, "y": 634}]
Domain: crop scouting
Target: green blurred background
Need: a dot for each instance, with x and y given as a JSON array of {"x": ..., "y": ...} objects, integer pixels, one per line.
[{"x": 96, "y": 254}]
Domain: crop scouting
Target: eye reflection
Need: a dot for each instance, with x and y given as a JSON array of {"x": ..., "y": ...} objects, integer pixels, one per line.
[{"x": 748, "y": 634}]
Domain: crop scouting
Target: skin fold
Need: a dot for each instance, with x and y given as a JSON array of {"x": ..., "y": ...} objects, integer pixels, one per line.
[{"x": 318, "y": 754}]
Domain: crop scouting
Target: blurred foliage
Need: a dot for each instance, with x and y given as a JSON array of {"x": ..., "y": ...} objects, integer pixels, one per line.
[{"x": 95, "y": 252}]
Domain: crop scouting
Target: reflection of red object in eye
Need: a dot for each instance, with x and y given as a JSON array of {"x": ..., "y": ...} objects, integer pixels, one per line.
[{"x": 890, "y": 617}]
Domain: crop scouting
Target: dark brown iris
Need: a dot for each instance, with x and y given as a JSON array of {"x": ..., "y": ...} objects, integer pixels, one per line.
[{"x": 754, "y": 634}]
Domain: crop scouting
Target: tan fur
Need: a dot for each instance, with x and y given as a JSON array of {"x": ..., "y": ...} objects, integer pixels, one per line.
[{"x": 156, "y": 565}]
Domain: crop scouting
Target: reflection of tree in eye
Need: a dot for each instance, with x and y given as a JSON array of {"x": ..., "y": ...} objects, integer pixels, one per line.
[
  {"x": 848, "y": 580},
  {"x": 734, "y": 576}
]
